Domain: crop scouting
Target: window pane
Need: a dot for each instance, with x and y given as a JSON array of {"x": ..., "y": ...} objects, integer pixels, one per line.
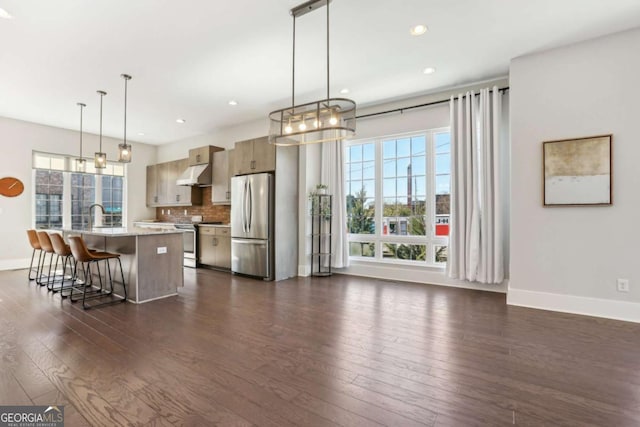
[
  {"x": 419, "y": 186},
  {"x": 440, "y": 254},
  {"x": 41, "y": 162},
  {"x": 401, "y": 187},
  {"x": 443, "y": 184},
  {"x": 369, "y": 187},
  {"x": 418, "y": 165},
  {"x": 369, "y": 152},
  {"x": 403, "y": 166},
  {"x": 389, "y": 149},
  {"x": 362, "y": 249},
  {"x": 442, "y": 224},
  {"x": 443, "y": 163},
  {"x": 389, "y": 168},
  {"x": 355, "y": 187},
  {"x": 404, "y": 252},
  {"x": 356, "y": 171},
  {"x": 355, "y": 154},
  {"x": 418, "y": 145},
  {"x": 404, "y": 147},
  {"x": 389, "y": 187},
  {"x": 368, "y": 170},
  {"x": 443, "y": 142},
  {"x": 417, "y": 225},
  {"x": 442, "y": 204},
  {"x": 57, "y": 163}
]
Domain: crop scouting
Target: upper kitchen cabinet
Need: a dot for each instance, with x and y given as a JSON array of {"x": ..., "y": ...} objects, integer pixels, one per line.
[
  {"x": 222, "y": 173},
  {"x": 152, "y": 185},
  {"x": 182, "y": 195},
  {"x": 254, "y": 156},
  {"x": 162, "y": 189},
  {"x": 202, "y": 155}
]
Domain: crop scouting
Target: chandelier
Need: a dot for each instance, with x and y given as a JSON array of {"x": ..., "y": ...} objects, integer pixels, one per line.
[{"x": 329, "y": 119}]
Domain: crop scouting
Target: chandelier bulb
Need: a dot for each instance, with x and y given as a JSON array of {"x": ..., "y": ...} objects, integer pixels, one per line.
[
  {"x": 333, "y": 121},
  {"x": 302, "y": 126}
]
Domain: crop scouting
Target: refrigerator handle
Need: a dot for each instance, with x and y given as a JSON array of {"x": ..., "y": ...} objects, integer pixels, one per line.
[
  {"x": 250, "y": 206},
  {"x": 244, "y": 207}
]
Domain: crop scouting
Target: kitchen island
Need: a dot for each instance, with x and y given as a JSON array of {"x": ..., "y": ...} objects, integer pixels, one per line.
[{"x": 151, "y": 259}]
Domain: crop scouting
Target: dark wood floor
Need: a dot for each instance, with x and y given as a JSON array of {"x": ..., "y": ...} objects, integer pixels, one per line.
[{"x": 315, "y": 352}]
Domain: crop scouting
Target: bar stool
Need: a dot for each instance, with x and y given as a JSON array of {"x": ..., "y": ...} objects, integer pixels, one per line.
[
  {"x": 35, "y": 245},
  {"x": 86, "y": 258},
  {"x": 47, "y": 248},
  {"x": 62, "y": 250}
]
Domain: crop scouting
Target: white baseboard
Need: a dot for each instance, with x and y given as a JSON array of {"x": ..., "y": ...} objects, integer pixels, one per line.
[
  {"x": 304, "y": 270},
  {"x": 15, "y": 264},
  {"x": 425, "y": 275},
  {"x": 610, "y": 309}
]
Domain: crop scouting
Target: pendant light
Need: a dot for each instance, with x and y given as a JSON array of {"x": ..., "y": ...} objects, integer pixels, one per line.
[
  {"x": 81, "y": 163},
  {"x": 100, "y": 160},
  {"x": 329, "y": 119},
  {"x": 124, "y": 149}
]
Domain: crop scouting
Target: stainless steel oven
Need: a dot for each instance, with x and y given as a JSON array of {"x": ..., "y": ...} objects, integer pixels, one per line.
[{"x": 190, "y": 245}]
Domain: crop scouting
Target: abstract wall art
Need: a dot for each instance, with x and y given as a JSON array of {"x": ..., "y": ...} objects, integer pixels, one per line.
[{"x": 577, "y": 172}]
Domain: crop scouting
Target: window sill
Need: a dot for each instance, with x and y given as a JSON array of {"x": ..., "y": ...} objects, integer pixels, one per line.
[{"x": 397, "y": 263}]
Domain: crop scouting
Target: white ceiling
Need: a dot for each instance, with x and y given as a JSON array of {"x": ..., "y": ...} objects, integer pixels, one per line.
[{"x": 189, "y": 58}]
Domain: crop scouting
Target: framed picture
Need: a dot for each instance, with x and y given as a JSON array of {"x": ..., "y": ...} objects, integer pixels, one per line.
[{"x": 577, "y": 172}]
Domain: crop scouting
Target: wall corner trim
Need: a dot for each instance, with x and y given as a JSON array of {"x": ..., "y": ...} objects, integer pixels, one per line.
[{"x": 596, "y": 307}]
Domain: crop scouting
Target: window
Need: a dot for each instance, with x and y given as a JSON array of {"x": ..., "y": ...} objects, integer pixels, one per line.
[
  {"x": 48, "y": 185},
  {"x": 398, "y": 192},
  {"x": 63, "y": 196}
]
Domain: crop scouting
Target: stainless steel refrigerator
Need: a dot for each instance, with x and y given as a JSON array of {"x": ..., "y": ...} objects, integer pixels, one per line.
[{"x": 252, "y": 225}]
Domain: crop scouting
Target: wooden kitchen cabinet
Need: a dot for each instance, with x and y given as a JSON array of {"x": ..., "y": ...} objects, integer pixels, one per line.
[
  {"x": 221, "y": 182},
  {"x": 202, "y": 155},
  {"x": 254, "y": 156},
  {"x": 214, "y": 246},
  {"x": 162, "y": 189},
  {"x": 162, "y": 171},
  {"x": 152, "y": 185}
]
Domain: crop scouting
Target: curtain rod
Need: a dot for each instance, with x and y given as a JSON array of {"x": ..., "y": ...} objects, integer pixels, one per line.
[{"x": 428, "y": 104}]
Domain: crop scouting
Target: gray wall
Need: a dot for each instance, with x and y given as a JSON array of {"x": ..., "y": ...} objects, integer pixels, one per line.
[{"x": 568, "y": 258}]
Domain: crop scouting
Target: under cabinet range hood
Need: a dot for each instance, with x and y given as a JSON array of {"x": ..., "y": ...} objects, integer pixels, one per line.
[
  {"x": 199, "y": 171},
  {"x": 196, "y": 175}
]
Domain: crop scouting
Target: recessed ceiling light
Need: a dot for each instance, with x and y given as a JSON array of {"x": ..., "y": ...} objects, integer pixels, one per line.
[
  {"x": 344, "y": 91},
  {"x": 4, "y": 14},
  {"x": 140, "y": 133},
  {"x": 181, "y": 121},
  {"x": 233, "y": 102},
  {"x": 429, "y": 70},
  {"x": 418, "y": 30}
]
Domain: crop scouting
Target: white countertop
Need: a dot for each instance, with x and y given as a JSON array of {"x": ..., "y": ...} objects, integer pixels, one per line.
[
  {"x": 123, "y": 231},
  {"x": 214, "y": 225}
]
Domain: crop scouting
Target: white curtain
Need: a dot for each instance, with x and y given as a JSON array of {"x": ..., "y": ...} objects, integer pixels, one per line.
[
  {"x": 476, "y": 234},
  {"x": 332, "y": 174}
]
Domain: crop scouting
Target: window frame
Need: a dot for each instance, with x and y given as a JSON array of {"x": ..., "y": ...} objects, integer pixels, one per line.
[
  {"x": 430, "y": 240},
  {"x": 65, "y": 164}
]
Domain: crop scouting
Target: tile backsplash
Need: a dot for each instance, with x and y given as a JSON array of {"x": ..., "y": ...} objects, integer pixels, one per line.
[{"x": 209, "y": 212}]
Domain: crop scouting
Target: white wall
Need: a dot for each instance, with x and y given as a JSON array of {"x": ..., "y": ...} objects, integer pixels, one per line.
[
  {"x": 223, "y": 137},
  {"x": 568, "y": 258},
  {"x": 18, "y": 139}
]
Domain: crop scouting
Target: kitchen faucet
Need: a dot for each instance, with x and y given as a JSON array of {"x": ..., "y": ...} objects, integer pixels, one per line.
[{"x": 91, "y": 216}]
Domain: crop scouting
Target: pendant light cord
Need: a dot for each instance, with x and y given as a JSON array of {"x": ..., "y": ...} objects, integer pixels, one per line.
[
  {"x": 125, "y": 110},
  {"x": 293, "y": 70},
  {"x": 101, "y": 96},
  {"x": 328, "y": 1},
  {"x": 81, "y": 107}
]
